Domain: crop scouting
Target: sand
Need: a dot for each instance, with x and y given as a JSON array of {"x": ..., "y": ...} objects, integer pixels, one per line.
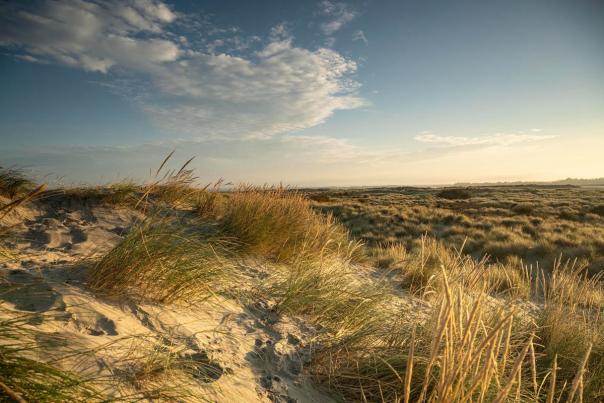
[{"x": 235, "y": 352}]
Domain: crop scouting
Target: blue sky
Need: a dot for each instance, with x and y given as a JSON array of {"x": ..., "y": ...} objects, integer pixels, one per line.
[{"x": 306, "y": 92}]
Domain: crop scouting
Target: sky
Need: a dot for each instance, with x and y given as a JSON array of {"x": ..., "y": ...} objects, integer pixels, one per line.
[{"x": 306, "y": 93}]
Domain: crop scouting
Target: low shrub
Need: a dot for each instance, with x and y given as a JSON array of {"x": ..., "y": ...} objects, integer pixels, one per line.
[
  {"x": 523, "y": 208},
  {"x": 599, "y": 210},
  {"x": 454, "y": 194}
]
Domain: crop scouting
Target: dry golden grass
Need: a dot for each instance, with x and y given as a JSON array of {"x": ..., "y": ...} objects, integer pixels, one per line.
[
  {"x": 14, "y": 182},
  {"x": 167, "y": 188},
  {"x": 329, "y": 293},
  {"x": 281, "y": 225},
  {"x": 24, "y": 378},
  {"x": 421, "y": 269},
  {"x": 165, "y": 261},
  {"x": 123, "y": 193},
  {"x": 467, "y": 351},
  {"x": 535, "y": 224}
]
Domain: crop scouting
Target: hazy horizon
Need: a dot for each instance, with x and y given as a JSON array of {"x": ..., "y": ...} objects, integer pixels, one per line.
[{"x": 311, "y": 93}]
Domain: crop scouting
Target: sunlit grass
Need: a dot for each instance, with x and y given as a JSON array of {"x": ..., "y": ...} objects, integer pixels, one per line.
[
  {"x": 165, "y": 261},
  {"x": 281, "y": 225}
]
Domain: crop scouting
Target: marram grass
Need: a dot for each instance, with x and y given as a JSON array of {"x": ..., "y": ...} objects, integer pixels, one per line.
[
  {"x": 165, "y": 262},
  {"x": 280, "y": 224}
]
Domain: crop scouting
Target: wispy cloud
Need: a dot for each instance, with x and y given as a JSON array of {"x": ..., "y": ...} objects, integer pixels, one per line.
[
  {"x": 233, "y": 86},
  {"x": 360, "y": 36},
  {"x": 338, "y": 15},
  {"x": 498, "y": 139}
]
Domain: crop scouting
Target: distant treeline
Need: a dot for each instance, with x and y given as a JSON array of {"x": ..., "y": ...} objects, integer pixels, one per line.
[{"x": 562, "y": 182}]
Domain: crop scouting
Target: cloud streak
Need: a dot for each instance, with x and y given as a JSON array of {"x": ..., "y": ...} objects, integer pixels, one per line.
[{"x": 499, "y": 139}]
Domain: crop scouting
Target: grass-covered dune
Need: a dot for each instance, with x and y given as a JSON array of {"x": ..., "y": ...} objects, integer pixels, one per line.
[{"x": 392, "y": 310}]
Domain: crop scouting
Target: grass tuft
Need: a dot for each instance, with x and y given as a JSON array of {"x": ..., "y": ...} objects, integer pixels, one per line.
[
  {"x": 280, "y": 224},
  {"x": 23, "y": 377},
  {"x": 165, "y": 261},
  {"x": 14, "y": 183}
]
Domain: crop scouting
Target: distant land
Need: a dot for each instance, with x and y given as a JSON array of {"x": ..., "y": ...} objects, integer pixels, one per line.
[
  {"x": 561, "y": 182},
  {"x": 569, "y": 182}
]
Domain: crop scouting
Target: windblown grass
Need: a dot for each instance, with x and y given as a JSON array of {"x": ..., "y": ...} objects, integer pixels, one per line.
[
  {"x": 469, "y": 345},
  {"x": 472, "y": 349},
  {"x": 390, "y": 256},
  {"x": 468, "y": 351},
  {"x": 570, "y": 285},
  {"x": 14, "y": 183},
  {"x": 572, "y": 320},
  {"x": 165, "y": 261},
  {"x": 281, "y": 225},
  {"x": 535, "y": 224},
  {"x": 24, "y": 378},
  {"x": 11, "y": 206},
  {"x": 167, "y": 188},
  {"x": 421, "y": 269},
  {"x": 171, "y": 188},
  {"x": 331, "y": 294}
]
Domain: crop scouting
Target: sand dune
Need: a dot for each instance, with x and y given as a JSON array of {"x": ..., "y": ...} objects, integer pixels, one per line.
[{"x": 243, "y": 353}]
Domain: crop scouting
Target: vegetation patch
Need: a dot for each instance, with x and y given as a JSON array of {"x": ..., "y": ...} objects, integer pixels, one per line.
[
  {"x": 165, "y": 261},
  {"x": 24, "y": 378},
  {"x": 454, "y": 194},
  {"x": 14, "y": 182},
  {"x": 281, "y": 225}
]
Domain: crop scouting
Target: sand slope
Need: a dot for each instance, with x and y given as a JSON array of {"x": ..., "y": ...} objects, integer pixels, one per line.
[{"x": 232, "y": 352}]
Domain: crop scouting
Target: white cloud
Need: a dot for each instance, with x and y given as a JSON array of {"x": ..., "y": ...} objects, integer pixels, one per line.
[
  {"x": 92, "y": 36},
  {"x": 499, "y": 139},
  {"x": 282, "y": 88},
  {"x": 360, "y": 36},
  {"x": 338, "y": 13},
  {"x": 191, "y": 90}
]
